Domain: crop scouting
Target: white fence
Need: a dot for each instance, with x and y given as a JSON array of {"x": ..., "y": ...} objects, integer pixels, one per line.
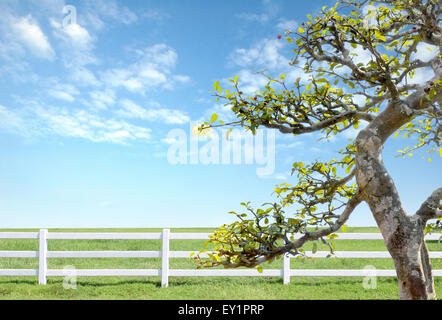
[{"x": 165, "y": 272}]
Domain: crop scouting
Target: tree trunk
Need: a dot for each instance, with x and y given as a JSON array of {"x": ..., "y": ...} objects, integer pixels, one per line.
[
  {"x": 403, "y": 234},
  {"x": 413, "y": 267},
  {"x": 404, "y": 239}
]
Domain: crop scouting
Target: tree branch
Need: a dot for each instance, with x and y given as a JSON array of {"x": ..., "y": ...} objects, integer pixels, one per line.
[
  {"x": 343, "y": 217},
  {"x": 431, "y": 208},
  {"x": 300, "y": 129},
  {"x": 291, "y": 247}
]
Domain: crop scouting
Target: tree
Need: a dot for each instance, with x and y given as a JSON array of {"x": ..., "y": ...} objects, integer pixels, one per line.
[{"x": 329, "y": 103}]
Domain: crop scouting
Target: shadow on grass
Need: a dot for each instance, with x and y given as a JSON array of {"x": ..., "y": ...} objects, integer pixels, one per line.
[
  {"x": 83, "y": 283},
  {"x": 119, "y": 283},
  {"x": 18, "y": 281},
  {"x": 198, "y": 281},
  {"x": 335, "y": 281}
]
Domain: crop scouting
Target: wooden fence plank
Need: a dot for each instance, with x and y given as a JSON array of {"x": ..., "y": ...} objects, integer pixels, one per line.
[
  {"x": 42, "y": 255},
  {"x": 165, "y": 259},
  {"x": 165, "y": 236}
]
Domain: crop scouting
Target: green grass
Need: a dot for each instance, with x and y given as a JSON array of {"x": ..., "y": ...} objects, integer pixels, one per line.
[{"x": 194, "y": 287}]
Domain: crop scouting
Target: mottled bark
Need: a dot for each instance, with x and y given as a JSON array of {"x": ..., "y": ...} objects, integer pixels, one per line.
[
  {"x": 426, "y": 263},
  {"x": 403, "y": 234}
]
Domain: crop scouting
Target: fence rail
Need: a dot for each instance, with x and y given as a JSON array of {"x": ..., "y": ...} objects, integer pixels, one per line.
[{"x": 165, "y": 254}]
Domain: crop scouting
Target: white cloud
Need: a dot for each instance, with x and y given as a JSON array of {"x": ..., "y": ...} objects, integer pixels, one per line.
[
  {"x": 160, "y": 55},
  {"x": 251, "y": 82},
  {"x": 81, "y": 124},
  {"x": 253, "y": 17},
  {"x": 420, "y": 76},
  {"x": 64, "y": 92},
  {"x": 92, "y": 20},
  {"x": 36, "y": 120},
  {"x": 359, "y": 54},
  {"x": 425, "y": 52},
  {"x": 8, "y": 119},
  {"x": 83, "y": 76},
  {"x": 181, "y": 78},
  {"x": 169, "y": 140},
  {"x": 102, "y": 99},
  {"x": 292, "y": 145},
  {"x": 295, "y": 72},
  {"x": 284, "y": 25},
  {"x": 132, "y": 110},
  {"x": 43, "y": 8},
  {"x": 78, "y": 37},
  {"x": 62, "y": 95},
  {"x": 99, "y": 15},
  {"x": 276, "y": 176},
  {"x": 76, "y": 51},
  {"x": 28, "y": 33},
  {"x": 264, "y": 53},
  {"x": 155, "y": 14},
  {"x": 153, "y": 69},
  {"x": 280, "y": 176},
  {"x": 112, "y": 10},
  {"x": 155, "y": 77},
  {"x": 122, "y": 78},
  {"x": 165, "y": 115},
  {"x": 269, "y": 7}
]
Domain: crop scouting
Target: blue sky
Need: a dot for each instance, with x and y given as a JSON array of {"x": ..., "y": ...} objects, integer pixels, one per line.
[{"x": 86, "y": 109}]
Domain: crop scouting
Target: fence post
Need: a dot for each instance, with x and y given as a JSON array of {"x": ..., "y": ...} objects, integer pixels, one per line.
[
  {"x": 165, "y": 259},
  {"x": 286, "y": 268},
  {"x": 42, "y": 254}
]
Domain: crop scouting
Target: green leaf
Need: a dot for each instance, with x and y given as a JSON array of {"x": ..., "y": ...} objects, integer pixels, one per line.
[
  {"x": 300, "y": 30},
  {"x": 379, "y": 35},
  {"x": 315, "y": 248},
  {"x": 213, "y": 118},
  {"x": 332, "y": 236},
  {"x": 228, "y": 133},
  {"x": 217, "y": 87},
  {"x": 235, "y": 80},
  {"x": 259, "y": 268}
]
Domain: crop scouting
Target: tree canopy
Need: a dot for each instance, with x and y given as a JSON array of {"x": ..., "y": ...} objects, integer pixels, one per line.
[{"x": 342, "y": 92}]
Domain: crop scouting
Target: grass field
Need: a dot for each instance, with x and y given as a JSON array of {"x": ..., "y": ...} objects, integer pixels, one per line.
[{"x": 194, "y": 287}]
